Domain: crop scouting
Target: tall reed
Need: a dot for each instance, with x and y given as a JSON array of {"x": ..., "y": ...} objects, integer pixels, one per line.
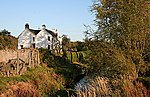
[
  {"x": 104, "y": 87},
  {"x": 93, "y": 88}
]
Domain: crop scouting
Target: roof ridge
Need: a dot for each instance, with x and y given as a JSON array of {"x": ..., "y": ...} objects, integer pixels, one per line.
[{"x": 35, "y": 32}]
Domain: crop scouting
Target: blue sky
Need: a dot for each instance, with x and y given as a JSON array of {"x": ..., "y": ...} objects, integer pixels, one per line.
[{"x": 68, "y": 16}]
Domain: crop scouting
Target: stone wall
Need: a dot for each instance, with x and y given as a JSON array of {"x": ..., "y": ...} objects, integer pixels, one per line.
[{"x": 14, "y": 62}]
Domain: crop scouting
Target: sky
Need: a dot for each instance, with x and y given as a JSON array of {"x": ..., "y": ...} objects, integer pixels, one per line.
[{"x": 68, "y": 16}]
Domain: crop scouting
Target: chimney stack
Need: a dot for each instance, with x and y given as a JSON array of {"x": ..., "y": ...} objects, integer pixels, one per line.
[
  {"x": 43, "y": 27},
  {"x": 26, "y": 26}
]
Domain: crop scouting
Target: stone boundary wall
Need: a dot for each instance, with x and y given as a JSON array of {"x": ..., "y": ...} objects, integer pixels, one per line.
[{"x": 14, "y": 62}]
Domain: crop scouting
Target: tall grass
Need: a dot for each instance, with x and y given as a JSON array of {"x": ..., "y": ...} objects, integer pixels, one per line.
[
  {"x": 38, "y": 82},
  {"x": 136, "y": 89},
  {"x": 21, "y": 89},
  {"x": 93, "y": 88},
  {"x": 104, "y": 87}
]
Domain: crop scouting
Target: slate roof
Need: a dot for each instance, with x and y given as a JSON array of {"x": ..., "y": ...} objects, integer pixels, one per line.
[
  {"x": 52, "y": 33},
  {"x": 35, "y": 32}
]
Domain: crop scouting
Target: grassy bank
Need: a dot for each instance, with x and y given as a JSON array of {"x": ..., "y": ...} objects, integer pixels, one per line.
[{"x": 42, "y": 81}]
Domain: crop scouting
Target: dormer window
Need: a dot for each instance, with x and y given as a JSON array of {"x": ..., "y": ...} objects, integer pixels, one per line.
[{"x": 48, "y": 38}]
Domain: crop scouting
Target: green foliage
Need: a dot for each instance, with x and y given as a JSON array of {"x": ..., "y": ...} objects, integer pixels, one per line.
[
  {"x": 109, "y": 61},
  {"x": 46, "y": 57},
  {"x": 72, "y": 46},
  {"x": 9, "y": 42},
  {"x": 63, "y": 65},
  {"x": 4, "y": 32},
  {"x": 65, "y": 42},
  {"x": 76, "y": 56},
  {"x": 122, "y": 37},
  {"x": 78, "y": 46}
]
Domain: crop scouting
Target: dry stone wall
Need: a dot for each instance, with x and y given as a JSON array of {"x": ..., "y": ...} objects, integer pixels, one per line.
[{"x": 14, "y": 62}]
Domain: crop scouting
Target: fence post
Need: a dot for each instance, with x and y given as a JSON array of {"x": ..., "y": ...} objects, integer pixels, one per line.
[
  {"x": 17, "y": 67},
  {"x": 38, "y": 57}
]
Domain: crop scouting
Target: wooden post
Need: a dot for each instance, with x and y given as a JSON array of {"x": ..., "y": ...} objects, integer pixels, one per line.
[
  {"x": 29, "y": 59},
  {"x": 17, "y": 67},
  {"x": 38, "y": 55}
]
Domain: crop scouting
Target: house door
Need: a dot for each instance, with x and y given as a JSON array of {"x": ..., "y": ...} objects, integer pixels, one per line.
[{"x": 33, "y": 45}]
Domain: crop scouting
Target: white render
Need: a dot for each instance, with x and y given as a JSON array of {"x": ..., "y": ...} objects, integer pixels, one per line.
[
  {"x": 43, "y": 38},
  {"x": 25, "y": 39}
]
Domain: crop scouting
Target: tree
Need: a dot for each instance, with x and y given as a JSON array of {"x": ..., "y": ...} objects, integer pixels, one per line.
[
  {"x": 65, "y": 42},
  {"x": 4, "y": 32},
  {"x": 123, "y": 25},
  {"x": 80, "y": 46}
]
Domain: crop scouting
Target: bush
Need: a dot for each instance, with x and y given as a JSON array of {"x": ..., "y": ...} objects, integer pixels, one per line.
[
  {"x": 109, "y": 61},
  {"x": 9, "y": 42}
]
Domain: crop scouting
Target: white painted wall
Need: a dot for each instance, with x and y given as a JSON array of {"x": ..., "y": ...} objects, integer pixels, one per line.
[
  {"x": 25, "y": 39},
  {"x": 42, "y": 39}
]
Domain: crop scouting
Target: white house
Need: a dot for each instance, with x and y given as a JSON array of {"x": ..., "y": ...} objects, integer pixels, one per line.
[{"x": 41, "y": 38}]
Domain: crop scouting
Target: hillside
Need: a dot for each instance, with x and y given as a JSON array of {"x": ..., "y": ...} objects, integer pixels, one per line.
[
  {"x": 58, "y": 75},
  {"x": 30, "y": 84},
  {"x": 9, "y": 42}
]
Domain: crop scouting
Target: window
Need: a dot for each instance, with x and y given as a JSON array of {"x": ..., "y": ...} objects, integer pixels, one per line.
[
  {"x": 33, "y": 38},
  {"x": 21, "y": 46},
  {"x": 52, "y": 40},
  {"x": 33, "y": 45},
  {"x": 48, "y": 46},
  {"x": 48, "y": 38}
]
